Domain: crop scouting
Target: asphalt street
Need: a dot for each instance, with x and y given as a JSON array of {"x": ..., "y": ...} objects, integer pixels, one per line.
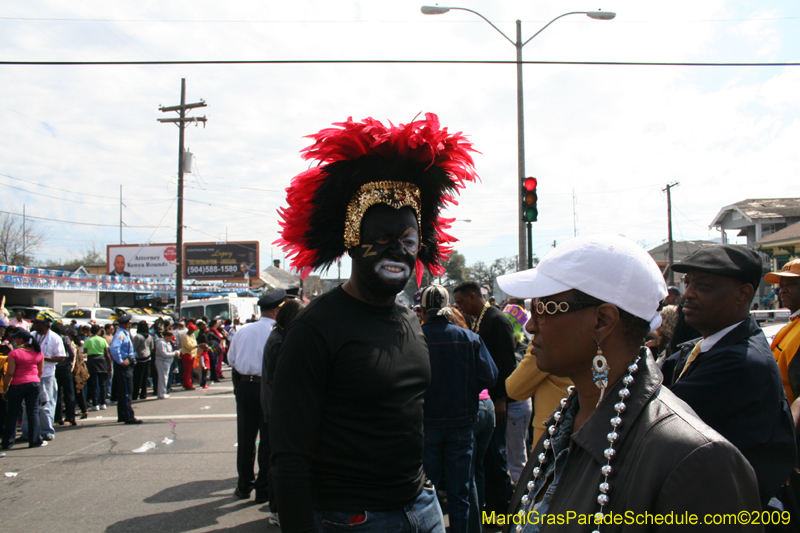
[{"x": 175, "y": 472}]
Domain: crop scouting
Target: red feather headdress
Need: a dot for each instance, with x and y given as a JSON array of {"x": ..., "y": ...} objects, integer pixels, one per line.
[{"x": 420, "y": 156}]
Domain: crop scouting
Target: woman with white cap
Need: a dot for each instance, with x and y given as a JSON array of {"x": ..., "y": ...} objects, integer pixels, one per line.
[{"x": 620, "y": 445}]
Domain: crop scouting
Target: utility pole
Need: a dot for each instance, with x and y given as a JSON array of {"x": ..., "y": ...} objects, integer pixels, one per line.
[
  {"x": 181, "y": 122},
  {"x": 574, "y": 216},
  {"x": 671, "y": 275},
  {"x": 24, "y": 234},
  {"x": 120, "y": 214}
]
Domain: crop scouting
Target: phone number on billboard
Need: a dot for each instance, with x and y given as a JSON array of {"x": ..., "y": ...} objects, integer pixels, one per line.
[{"x": 212, "y": 269}]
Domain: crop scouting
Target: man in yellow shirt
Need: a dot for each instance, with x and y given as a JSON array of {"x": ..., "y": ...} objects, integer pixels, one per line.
[{"x": 786, "y": 343}]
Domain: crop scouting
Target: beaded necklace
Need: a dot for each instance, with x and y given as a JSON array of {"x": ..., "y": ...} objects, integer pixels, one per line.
[
  {"x": 609, "y": 452},
  {"x": 477, "y": 325}
]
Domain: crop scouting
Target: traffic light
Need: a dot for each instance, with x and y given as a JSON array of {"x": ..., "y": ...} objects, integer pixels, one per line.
[{"x": 529, "y": 211}]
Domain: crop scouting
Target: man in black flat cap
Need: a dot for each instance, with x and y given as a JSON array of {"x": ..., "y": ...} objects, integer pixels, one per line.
[
  {"x": 729, "y": 376},
  {"x": 244, "y": 356}
]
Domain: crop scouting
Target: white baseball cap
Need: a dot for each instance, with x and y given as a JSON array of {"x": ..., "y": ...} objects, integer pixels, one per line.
[{"x": 611, "y": 268}]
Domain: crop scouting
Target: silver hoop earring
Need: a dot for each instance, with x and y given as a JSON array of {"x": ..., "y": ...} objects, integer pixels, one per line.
[{"x": 600, "y": 373}]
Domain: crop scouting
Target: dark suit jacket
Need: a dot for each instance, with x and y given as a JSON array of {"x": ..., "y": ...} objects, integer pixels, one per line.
[{"x": 736, "y": 389}]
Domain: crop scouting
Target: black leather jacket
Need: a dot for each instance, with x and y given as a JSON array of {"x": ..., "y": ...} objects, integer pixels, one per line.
[{"x": 667, "y": 461}]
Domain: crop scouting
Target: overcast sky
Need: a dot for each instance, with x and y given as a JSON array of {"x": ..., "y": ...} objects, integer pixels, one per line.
[{"x": 603, "y": 140}]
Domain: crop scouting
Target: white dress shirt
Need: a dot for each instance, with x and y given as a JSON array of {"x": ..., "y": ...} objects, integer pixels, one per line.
[
  {"x": 52, "y": 346},
  {"x": 709, "y": 342},
  {"x": 246, "y": 352}
]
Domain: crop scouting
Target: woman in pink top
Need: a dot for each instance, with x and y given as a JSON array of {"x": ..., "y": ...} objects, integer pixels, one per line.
[{"x": 22, "y": 382}]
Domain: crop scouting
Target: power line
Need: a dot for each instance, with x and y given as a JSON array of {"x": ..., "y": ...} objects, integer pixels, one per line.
[
  {"x": 57, "y": 189},
  {"x": 73, "y": 222},
  {"x": 242, "y": 21},
  {"x": 135, "y": 201},
  {"x": 391, "y": 62},
  {"x": 49, "y": 196}
]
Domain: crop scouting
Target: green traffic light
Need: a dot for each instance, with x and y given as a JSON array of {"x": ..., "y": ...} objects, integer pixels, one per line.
[{"x": 531, "y": 214}]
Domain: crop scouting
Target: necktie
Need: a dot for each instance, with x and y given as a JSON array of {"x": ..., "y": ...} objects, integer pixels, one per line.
[{"x": 692, "y": 357}]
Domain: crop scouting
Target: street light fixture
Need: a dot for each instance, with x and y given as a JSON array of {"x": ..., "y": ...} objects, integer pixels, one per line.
[{"x": 525, "y": 259}]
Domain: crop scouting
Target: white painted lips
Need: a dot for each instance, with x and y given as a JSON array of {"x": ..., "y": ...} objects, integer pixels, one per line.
[{"x": 391, "y": 270}]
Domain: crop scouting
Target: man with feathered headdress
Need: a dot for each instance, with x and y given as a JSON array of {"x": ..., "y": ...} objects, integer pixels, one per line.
[{"x": 346, "y": 421}]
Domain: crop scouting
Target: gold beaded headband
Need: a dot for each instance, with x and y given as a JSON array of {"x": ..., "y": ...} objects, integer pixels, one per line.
[{"x": 396, "y": 194}]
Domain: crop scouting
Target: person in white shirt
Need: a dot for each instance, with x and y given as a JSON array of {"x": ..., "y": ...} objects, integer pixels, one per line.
[
  {"x": 165, "y": 356},
  {"x": 19, "y": 321},
  {"x": 53, "y": 349},
  {"x": 245, "y": 357}
]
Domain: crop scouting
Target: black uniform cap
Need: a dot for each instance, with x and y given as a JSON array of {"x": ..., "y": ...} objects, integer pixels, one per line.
[{"x": 272, "y": 299}]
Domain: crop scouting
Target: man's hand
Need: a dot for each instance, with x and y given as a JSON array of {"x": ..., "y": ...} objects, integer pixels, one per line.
[
  {"x": 500, "y": 410},
  {"x": 125, "y": 363}
]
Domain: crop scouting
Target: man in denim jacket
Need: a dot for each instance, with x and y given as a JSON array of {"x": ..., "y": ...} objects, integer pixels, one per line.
[{"x": 460, "y": 368}]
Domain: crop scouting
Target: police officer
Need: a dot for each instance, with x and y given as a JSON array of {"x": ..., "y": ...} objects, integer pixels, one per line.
[
  {"x": 245, "y": 356},
  {"x": 124, "y": 356}
]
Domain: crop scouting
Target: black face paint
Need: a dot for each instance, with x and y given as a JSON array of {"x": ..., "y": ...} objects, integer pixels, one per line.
[{"x": 385, "y": 258}]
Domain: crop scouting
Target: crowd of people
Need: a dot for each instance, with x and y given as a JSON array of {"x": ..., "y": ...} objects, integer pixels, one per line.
[
  {"x": 89, "y": 367},
  {"x": 595, "y": 399},
  {"x": 652, "y": 409}
]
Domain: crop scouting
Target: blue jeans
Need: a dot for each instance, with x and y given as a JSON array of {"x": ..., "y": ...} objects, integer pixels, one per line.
[
  {"x": 176, "y": 363},
  {"x": 448, "y": 457},
  {"x": 482, "y": 430},
  {"x": 518, "y": 421},
  {"x": 495, "y": 468},
  {"x": 29, "y": 393},
  {"x": 423, "y": 515},
  {"x": 97, "y": 388},
  {"x": 48, "y": 393}
]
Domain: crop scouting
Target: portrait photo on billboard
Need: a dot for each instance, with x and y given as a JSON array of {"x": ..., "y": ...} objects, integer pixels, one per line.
[
  {"x": 229, "y": 261},
  {"x": 142, "y": 260}
]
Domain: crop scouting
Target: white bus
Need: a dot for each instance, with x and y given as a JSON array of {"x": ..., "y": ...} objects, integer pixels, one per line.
[{"x": 225, "y": 307}]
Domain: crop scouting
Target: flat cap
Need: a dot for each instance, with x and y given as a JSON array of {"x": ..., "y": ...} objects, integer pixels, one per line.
[
  {"x": 272, "y": 299},
  {"x": 789, "y": 270},
  {"x": 124, "y": 319},
  {"x": 729, "y": 260}
]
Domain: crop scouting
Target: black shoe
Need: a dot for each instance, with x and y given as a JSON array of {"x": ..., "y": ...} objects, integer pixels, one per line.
[
  {"x": 239, "y": 493},
  {"x": 262, "y": 498},
  {"x": 133, "y": 421}
]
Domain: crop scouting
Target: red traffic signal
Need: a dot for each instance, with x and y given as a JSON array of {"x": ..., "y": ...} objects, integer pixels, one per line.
[{"x": 530, "y": 213}]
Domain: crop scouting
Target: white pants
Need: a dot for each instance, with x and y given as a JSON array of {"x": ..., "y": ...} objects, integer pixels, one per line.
[
  {"x": 162, "y": 368},
  {"x": 518, "y": 420}
]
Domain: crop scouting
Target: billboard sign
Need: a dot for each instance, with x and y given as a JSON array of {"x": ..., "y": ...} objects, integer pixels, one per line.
[
  {"x": 142, "y": 260},
  {"x": 234, "y": 261}
]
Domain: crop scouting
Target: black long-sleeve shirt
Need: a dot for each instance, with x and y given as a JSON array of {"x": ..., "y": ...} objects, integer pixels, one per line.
[
  {"x": 346, "y": 425},
  {"x": 498, "y": 335}
]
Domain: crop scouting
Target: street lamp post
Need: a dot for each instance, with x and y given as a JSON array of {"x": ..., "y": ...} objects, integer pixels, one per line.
[{"x": 524, "y": 258}]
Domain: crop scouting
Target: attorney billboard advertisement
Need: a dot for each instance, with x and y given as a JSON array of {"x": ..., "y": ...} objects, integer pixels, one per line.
[
  {"x": 142, "y": 260},
  {"x": 234, "y": 261}
]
